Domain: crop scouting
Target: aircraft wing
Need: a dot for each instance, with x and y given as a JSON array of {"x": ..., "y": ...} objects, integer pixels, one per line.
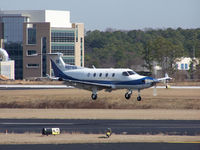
[
  {"x": 164, "y": 79},
  {"x": 87, "y": 85}
]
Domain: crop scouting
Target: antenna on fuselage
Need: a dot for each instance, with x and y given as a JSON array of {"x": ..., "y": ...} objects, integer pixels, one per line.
[{"x": 93, "y": 67}]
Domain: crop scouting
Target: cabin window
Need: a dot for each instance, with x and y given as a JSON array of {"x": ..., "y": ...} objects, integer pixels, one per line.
[
  {"x": 113, "y": 74},
  {"x": 106, "y": 74},
  {"x": 131, "y": 72},
  {"x": 100, "y": 74},
  {"x": 94, "y": 75},
  {"x": 88, "y": 74},
  {"x": 125, "y": 73}
]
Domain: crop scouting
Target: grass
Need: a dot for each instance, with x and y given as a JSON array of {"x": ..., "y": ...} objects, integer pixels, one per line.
[
  {"x": 81, "y": 99},
  {"x": 34, "y": 138},
  {"x": 153, "y": 114}
]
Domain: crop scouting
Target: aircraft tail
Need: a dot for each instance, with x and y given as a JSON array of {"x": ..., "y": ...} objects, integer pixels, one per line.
[
  {"x": 59, "y": 65},
  {"x": 56, "y": 58}
]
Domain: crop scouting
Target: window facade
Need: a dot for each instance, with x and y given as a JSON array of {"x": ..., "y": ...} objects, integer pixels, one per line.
[
  {"x": 62, "y": 36},
  {"x": 31, "y": 35},
  {"x": 31, "y": 52},
  {"x": 66, "y": 49},
  {"x": 13, "y": 40},
  {"x": 44, "y": 57},
  {"x": 186, "y": 66},
  {"x": 69, "y": 60},
  {"x": 182, "y": 66},
  {"x": 63, "y": 41},
  {"x": 32, "y": 65}
]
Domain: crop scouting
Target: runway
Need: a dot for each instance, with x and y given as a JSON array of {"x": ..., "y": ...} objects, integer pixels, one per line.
[
  {"x": 108, "y": 146},
  {"x": 170, "y": 127}
]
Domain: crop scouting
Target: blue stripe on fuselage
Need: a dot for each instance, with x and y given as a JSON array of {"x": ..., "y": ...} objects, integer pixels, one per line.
[{"x": 60, "y": 74}]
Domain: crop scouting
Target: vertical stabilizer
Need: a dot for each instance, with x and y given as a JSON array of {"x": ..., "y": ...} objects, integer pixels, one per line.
[{"x": 58, "y": 64}]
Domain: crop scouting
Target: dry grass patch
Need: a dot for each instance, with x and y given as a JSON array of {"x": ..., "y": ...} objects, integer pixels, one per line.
[
  {"x": 153, "y": 114},
  {"x": 34, "y": 138},
  {"x": 75, "y": 98}
]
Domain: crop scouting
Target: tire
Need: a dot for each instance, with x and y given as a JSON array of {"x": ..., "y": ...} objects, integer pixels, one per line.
[
  {"x": 139, "y": 98},
  {"x": 94, "y": 96},
  {"x": 127, "y": 96}
]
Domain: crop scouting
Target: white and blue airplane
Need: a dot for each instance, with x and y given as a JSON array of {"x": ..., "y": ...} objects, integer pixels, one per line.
[{"x": 96, "y": 79}]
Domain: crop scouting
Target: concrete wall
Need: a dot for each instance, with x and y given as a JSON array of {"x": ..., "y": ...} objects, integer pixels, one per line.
[
  {"x": 42, "y": 30},
  {"x": 7, "y": 69},
  {"x": 57, "y": 18},
  {"x": 80, "y": 28}
]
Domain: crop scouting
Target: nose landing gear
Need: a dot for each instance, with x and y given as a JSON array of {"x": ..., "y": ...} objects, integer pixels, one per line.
[
  {"x": 128, "y": 94},
  {"x": 94, "y": 94}
]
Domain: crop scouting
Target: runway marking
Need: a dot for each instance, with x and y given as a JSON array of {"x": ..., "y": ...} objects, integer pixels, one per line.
[
  {"x": 185, "y": 142},
  {"x": 11, "y": 123}
]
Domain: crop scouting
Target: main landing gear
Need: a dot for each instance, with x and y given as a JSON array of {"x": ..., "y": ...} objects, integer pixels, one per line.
[
  {"x": 129, "y": 93},
  {"x": 94, "y": 94},
  {"x": 139, "y": 98}
]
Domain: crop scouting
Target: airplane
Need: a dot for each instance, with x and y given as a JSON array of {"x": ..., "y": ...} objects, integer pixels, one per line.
[{"x": 96, "y": 79}]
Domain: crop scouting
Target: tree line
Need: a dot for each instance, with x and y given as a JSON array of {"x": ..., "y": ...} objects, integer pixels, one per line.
[{"x": 130, "y": 49}]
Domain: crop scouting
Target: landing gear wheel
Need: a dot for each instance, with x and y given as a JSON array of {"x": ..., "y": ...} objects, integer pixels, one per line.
[
  {"x": 127, "y": 96},
  {"x": 139, "y": 98},
  {"x": 94, "y": 96}
]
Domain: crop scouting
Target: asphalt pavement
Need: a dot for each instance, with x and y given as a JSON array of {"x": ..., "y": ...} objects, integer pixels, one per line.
[
  {"x": 108, "y": 146},
  {"x": 170, "y": 127}
]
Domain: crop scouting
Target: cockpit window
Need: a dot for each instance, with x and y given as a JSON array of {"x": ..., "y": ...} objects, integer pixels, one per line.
[
  {"x": 125, "y": 73},
  {"x": 131, "y": 72}
]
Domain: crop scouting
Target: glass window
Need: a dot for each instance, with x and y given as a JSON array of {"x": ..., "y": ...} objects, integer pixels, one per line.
[
  {"x": 131, "y": 72},
  {"x": 62, "y": 36},
  {"x": 125, "y": 73},
  {"x": 106, "y": 74},
  {"x": 100, "y": 74},
  {"x": 182, "y": 66},
  {"x": 44, "y": 57},
  {"x": 31, "y": 52},
  {"x": 31, "y": 35},
  {"x": 113, "y": 74},
  {"x": 32, "y": 65},
  {"x": 186, "y": 66},
  {"x": 69, "y": 60},
  {"x": 94, "y": 74}
]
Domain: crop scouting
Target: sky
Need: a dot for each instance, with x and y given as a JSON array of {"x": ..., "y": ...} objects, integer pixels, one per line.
[{"x": 119, "y": 14}]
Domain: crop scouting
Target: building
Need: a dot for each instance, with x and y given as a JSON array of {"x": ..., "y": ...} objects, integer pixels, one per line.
[
  {"x": 6, "y": 66},
  {"x": 28, "y": 35},
  {"x": 183, "y": 63}
]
